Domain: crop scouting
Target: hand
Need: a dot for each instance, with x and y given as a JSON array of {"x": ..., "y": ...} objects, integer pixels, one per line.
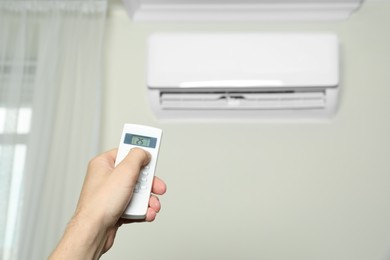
[{"x": 104, "y": 197}]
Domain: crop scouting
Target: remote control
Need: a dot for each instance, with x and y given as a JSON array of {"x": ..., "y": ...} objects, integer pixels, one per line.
[{"x": 147, "y": 138}]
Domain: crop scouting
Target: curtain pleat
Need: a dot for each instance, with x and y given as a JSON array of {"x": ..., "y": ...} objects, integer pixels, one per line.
[{"x": 53, "y": 49}]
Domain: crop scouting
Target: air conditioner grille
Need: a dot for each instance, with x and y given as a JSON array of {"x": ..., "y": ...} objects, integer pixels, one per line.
[{"x": 267, "y": 100}]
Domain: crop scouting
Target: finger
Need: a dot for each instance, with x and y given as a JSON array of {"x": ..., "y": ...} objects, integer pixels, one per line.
[
  {"x": 158, "y": 187},
  {"x": 150, "y": 215},
  {"x": 138, "y": 157},
  {"x": 130, "y": 166},
  {"x": 154, "y": 203}
]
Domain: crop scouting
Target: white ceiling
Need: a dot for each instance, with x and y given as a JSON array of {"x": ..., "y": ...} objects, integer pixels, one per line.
[
  {"x": 241, "y": 1},
  {"x": 250, "y": 1},
  {"x": 240, "y": 10}
]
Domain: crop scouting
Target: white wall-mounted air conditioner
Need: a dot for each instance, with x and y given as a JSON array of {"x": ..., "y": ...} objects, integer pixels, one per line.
[
  {"x": 243, "y": 75},
  {"x": 239, "y": 10}
]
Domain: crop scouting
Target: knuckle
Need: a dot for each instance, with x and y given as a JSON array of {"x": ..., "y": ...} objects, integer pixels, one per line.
[{"x": 94, "y": 161}]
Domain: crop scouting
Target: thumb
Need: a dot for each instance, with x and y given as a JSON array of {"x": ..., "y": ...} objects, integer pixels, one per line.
[
  {"x": 128, "y": 169},
  {"x": 123, "y": 180}
]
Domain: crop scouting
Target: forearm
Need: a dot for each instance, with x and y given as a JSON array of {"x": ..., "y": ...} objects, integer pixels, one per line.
[{"x": 83, "y": 239}]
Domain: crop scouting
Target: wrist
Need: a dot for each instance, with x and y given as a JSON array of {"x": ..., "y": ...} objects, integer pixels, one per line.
[{"x": 84, "y": 238}]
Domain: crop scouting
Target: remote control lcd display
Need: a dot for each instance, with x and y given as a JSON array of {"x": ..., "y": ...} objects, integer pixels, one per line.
[{"x": 138, "y": 140}]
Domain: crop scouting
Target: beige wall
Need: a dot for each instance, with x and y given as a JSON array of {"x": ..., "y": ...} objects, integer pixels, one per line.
[{"x": 264, "y": 191}]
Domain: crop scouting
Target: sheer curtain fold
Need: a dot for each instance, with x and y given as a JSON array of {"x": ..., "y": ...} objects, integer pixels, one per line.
[{"x": 51, "y": 64}]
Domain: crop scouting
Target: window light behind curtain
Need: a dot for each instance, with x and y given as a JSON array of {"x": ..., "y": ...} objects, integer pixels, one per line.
[{"x": 50, "y": 81}]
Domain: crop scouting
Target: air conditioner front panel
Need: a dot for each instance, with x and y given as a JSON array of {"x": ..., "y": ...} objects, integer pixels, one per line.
[{"x": 242, "y": 60}]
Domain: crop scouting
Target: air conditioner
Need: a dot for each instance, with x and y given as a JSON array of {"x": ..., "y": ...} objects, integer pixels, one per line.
[
  {"x": 286, "y": 76},
  {"x": 238, "y": 10}
]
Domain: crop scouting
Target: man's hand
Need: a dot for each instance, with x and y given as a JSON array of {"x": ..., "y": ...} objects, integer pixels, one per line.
[{"x": 104, "y": 197}]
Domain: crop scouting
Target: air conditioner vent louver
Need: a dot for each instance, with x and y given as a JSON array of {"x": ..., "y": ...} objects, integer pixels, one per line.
[{"x": 242, "y": 100}]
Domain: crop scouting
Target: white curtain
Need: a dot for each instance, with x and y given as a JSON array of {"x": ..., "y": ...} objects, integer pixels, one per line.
[{"x": 50, "y": 87}]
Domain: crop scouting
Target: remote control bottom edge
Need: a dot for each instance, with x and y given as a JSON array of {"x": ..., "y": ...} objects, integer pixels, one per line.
[{"x": 135, "y": 217}]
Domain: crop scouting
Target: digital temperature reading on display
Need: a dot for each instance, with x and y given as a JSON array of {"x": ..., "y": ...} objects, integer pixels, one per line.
[{"x": 139, "y": 140}]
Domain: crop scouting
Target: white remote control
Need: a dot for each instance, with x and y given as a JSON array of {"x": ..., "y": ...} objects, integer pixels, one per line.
[{"x": 147, "y": 138}]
